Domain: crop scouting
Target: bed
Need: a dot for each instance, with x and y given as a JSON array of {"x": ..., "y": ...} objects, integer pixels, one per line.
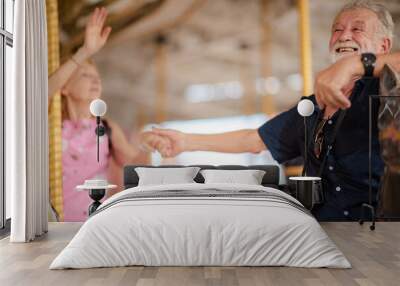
[{"x": 198, "y": 224}]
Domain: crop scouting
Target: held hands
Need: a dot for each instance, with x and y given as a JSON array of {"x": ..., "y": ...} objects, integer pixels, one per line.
[
  {"x": 168, "y": 142},
  {"x": 334, "y": 85},
  {"x": 176, "y": 142},
  {"x": 96, "y": 34}
]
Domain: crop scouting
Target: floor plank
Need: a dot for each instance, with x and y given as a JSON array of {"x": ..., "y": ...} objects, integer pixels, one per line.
[{"x": 375, "y": 257}]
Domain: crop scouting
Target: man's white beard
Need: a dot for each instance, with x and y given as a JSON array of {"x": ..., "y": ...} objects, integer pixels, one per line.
[{"x": 335, "y": 56}]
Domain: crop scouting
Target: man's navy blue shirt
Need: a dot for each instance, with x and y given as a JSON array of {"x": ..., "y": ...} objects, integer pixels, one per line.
[{"x": 345, "y": 175}]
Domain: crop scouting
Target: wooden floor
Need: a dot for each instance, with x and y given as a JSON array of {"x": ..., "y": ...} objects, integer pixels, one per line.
[{"x": 375, "y": 257}]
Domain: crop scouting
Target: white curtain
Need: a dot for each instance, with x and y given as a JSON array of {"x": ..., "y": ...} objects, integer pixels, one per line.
[{"x": 27, "y": 124}]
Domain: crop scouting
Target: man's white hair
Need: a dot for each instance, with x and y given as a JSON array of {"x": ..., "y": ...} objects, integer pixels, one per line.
[{"x": 383, "y": 14}]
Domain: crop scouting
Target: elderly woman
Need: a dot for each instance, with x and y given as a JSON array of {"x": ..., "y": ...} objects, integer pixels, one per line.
[{"x": 79, "y": 83}]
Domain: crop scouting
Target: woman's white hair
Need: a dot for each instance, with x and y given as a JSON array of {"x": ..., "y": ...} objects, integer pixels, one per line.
[{"x": 380, "y": 10}]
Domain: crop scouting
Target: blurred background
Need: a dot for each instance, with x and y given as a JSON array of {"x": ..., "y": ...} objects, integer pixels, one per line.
[{"x": 205, "y": 66}]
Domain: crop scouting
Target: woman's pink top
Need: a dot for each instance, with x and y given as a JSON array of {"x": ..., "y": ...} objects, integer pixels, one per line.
[{"x": 79, "y": 161}]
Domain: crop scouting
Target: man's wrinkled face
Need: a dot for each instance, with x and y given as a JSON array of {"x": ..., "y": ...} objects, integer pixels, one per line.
[{"x": 354, "y": 32}]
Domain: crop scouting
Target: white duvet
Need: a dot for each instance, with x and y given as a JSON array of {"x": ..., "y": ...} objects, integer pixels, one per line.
[{"x": 200, "y": 231}]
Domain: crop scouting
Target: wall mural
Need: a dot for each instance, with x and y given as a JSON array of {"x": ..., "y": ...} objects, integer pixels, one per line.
[{"x": 169, "y": 62}]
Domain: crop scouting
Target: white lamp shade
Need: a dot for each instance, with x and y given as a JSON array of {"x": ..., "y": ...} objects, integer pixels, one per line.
[
  {"x": 305, "y": 107},
  {"x": 98, "y": 107}
]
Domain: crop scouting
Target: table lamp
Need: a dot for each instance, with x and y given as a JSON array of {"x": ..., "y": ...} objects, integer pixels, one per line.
[
  {"x": 307, "y": 188},
  {"x": 305, "y": 108},
  {"x": 98, "y": 108}
]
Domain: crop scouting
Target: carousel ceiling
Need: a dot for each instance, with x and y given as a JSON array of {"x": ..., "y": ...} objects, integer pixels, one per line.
[{"x": 219, "y": 57}]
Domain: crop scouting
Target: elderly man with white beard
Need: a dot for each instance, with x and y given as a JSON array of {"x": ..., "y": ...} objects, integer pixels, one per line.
[{"x": 360, "y": 44}]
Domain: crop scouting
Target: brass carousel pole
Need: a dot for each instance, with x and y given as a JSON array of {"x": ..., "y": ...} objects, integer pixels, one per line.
[
  {"x": 55, "y": 140},
  {"x": 305, "y": 46},
  {"x": 267, "y": 100},
  {"x": 306, "y": 63}
]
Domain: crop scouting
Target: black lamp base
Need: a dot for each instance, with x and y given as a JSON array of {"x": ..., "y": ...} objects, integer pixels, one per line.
[{"x": 96, "y": 195}]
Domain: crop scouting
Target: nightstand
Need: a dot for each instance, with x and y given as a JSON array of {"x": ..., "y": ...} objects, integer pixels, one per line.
[{"x": 97, "y": 190}]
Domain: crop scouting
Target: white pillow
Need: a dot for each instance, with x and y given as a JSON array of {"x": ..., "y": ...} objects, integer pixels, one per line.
[
  {"x": 162, "y": 176},
  {"x": 248, "y": 177}
]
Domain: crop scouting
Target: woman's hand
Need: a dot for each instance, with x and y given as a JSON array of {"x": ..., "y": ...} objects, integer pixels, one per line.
[
  {"x": 95, "y": 38},
  {"x": 96, "y": 35}
]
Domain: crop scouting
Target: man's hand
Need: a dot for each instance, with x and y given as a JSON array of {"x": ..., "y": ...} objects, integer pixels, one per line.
[
  {"x": 334, "y": 85},
  {"x": 95, "y": 34},
  {"x": 176, "y": 142}
]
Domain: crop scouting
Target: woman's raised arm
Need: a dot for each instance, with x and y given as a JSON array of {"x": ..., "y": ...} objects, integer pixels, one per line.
[{"x": 96, "y": 36}]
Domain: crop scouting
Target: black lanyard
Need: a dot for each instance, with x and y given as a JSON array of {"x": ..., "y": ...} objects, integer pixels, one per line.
[
  {"x": 339, "y": 121},
  {"x": 342, "y": 113}
]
